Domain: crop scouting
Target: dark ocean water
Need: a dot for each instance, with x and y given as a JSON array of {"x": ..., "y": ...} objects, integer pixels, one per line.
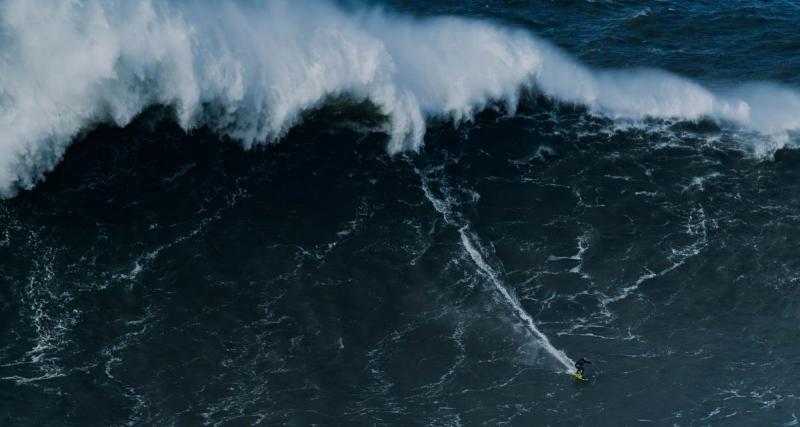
[{"x": 164, "y": 277}]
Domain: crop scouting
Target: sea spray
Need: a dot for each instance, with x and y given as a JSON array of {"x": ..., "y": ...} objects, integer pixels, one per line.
[{"x": 248, "y": 70}]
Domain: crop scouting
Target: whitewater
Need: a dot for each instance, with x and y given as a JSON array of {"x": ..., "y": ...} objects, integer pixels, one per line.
[
  {"x": 444, "y": 205},
  {"x": 248, "y": 70}
]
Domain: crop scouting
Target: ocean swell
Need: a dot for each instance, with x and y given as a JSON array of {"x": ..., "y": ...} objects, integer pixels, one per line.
[{"x": 249, "y": 70}]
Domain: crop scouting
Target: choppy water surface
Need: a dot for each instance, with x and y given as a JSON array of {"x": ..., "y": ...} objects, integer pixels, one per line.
[{"x": 455, "y": 209}]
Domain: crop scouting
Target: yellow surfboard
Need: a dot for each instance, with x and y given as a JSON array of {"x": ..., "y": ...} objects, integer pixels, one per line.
[{"x": 579, "y": 377}]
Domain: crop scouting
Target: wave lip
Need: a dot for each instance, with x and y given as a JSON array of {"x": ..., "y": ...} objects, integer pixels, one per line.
[{"x": 249, "y": 70}]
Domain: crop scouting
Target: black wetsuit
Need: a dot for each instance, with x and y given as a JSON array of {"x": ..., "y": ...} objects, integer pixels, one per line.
[{"x": 579, "y": 365}]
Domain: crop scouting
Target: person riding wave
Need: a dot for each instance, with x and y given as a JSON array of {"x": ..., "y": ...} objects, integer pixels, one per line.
[{"x": 579, "y": 369}]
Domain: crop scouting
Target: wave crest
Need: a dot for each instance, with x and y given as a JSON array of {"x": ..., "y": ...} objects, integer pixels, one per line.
[{"x": 248, "y": 71}]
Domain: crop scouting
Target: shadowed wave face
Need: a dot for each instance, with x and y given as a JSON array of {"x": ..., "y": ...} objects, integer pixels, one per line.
[{"x": 249, "y": 70}]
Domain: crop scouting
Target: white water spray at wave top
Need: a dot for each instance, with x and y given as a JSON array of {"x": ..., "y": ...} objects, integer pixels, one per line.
[{"x": 247, "y": 70}]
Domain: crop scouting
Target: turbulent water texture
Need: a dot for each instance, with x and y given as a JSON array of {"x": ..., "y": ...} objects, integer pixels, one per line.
[
  {"x": 438, "y": 207},
  {"x": 248, "y": 71}
]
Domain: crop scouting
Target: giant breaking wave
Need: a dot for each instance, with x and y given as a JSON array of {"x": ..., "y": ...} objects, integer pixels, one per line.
[{"x": 249, "y": 70}]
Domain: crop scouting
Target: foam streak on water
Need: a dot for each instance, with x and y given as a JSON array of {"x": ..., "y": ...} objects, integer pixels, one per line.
[
  {"x": 491, "y": 274},
  {"x": 444, "y": 207}
]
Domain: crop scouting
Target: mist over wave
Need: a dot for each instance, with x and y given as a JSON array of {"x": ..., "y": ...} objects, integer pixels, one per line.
[{"x": 248, "y": 71}]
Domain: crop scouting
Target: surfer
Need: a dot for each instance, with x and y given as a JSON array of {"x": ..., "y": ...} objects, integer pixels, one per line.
[{"x": 579, "y": 366}]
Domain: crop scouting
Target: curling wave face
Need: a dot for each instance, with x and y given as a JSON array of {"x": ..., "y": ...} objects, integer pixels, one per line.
[{"x": 248, "y": 71}]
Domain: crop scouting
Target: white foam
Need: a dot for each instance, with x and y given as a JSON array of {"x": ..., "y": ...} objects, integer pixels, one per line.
[
  {"x": 444, "y": 207},
  {"x": 249, "y": 69},
  {"x": 523, "y": 315}
]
